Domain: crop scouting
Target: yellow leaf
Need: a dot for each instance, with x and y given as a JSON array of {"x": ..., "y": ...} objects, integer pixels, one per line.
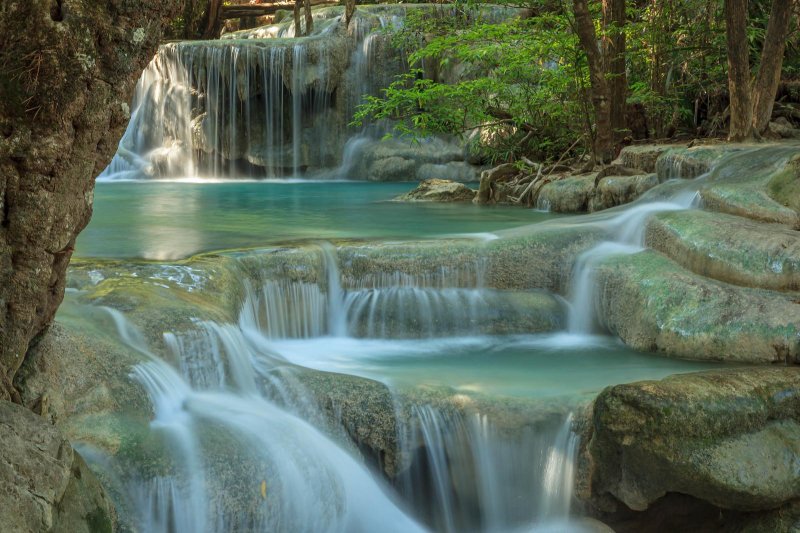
[{"x": 264, "y": 489}]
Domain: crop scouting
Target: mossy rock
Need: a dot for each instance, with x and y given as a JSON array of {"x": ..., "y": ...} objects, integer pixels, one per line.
[
  {"x": 655, "y": 305},
  {"x": 729, "y": 437},
  {"x": 729, "y": 248}
]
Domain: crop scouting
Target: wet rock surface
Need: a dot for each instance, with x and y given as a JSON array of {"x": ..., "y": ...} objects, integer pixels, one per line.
[
  {"x": 654, "y": 305},
  {"x": 44, "y": 484},
  {"x": 728, "y": 437},
  {"x": 438, "y": 190},
  {"x": 61, "y": 121},
  {"x": 729, "y": 248}
]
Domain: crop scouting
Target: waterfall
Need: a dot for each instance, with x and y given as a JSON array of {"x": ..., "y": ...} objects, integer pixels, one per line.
[
  {"x": 293, "y": 477},
  {"x": 481, "y": 477},
  {"x": 259, "y": 106},
  {"x": 626, "y": 229}
]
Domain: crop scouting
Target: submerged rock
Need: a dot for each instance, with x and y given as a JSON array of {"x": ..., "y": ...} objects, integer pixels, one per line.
[
  {"x": 44, "y": 484},
  {"x": 438, "y": 190},
  {"x": 729, "y": 437}
]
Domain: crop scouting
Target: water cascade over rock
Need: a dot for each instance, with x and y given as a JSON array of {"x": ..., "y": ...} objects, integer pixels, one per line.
[{"x": 264, "y": 104}]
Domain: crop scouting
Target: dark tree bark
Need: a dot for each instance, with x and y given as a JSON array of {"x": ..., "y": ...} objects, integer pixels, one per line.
[
  {"x": 739, "y": 87},
  {"x": 212, "y": 19},
  {"x": 309, "y": 18},
  {"x": 66, "y": 82},
  {"x": 769, "y": 70},
  {"x": 349, "y": 10},
  {"x": 603, "y": 141},
  {"x": 298, "y": 30},
  {"x": 614, "y": 56}
]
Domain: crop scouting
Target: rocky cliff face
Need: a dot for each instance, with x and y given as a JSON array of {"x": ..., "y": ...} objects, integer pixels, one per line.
[{"x": 67, "y": 71}]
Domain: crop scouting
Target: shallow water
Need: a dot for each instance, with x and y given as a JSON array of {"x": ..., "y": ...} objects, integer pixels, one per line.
[
  {"x": 173, "y": 220},
  {"x": 526, "y": 366}
]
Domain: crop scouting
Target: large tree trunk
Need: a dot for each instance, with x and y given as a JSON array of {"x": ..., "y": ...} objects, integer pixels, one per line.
[
  {"x": 309, "y": 18},
  {"x": 349, "y": 11},
  {"x": 212, "y": 19},
  {"x": 298, "y": 30},
  {"x": 614, "y": 56},
  {"x": 603, "y": 141},
  {"x": 68, "y": 72},
  {"x": 769, "y": 71},
  {"x": 741, "y": 109}
]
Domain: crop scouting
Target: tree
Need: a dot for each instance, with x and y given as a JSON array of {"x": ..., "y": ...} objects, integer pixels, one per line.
[
  {"x": 614, "y": 55},
  {"x": 738, "y": 50},
  {"x": 601, "y": 96},
  {"x": 769, "y": 70},
  {"x": 751, "y": 103}
]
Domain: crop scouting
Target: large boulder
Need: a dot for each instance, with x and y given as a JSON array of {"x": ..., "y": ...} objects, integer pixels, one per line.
[
  {"x": 655, "y": 305},
  {"x": 437, "y": 190},
  {"x": 729, "y": 248},
  {"x": 618, "y": 190},
  {"x": 729, "y": 437},
  {"x": 45, "y": 486}
]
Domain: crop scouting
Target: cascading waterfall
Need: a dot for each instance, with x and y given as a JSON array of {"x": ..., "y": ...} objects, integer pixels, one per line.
[
  {"x": 254, "y": 107},
  {"x": 627, "y": 231},
  {"x": 481, "y": 478},
  {"x": 284, "y": 466}
]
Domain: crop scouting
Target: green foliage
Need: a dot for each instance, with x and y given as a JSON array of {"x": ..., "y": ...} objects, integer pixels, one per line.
[
  {"x": 474, "y": 64},
  {"x": 519, "y": 76}
]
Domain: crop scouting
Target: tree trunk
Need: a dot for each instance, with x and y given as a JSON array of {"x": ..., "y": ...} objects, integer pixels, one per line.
[
  {"x": 212, "y": 19},
  {"x": 614, "y": 59},
  {"x": 741, "y": 109},
  {"x": 769, "y": 71},
  {"x": 603, "y": 141},
  {"x": 298, "y": 30},
  {"x": 349, "y": 10},
  {"x": 309, "y": 18},
  {"x": 60, "y": 120}
]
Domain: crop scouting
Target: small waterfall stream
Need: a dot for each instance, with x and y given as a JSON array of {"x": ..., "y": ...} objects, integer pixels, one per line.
[{"x": 627, "y": 231}]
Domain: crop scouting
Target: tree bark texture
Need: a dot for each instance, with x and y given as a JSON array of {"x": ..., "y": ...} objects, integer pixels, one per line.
[
  {"x": 614, "y": 55},
  {"x": 739, "y": 86},
  {"x": 769, "y": 70},
  {"x": 67, "y": 73},
  {"x": 349, "y": 11},
  {"x": 309, "y": 17},
  {"x": 603, "y": 141},
  {"x": 212, "y": 19},
  {"x": 298, "y": 31}
]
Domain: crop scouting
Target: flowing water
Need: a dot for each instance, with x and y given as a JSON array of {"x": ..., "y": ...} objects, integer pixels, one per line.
[{"x": 486, "y": 385}]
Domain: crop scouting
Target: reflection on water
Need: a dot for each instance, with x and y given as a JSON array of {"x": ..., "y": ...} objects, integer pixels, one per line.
[{"x": 171, "y": 220}]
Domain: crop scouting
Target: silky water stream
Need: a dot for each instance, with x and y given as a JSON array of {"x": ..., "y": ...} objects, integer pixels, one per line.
[
  {"x": 484, "y": 385},
  {"x": 251, "y": 449}
]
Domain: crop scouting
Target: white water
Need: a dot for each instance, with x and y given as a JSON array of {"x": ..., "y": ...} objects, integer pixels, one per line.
[
  {"x": 299, "y": 479},
  {"x": 627, "y": 232},
  {"x": 477, "y": 474},
  {"x": 257, "y": 107}
]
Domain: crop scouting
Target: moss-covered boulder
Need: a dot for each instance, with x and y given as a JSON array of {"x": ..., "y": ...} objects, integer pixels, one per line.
[
  {"x": 567, "y": 195},
  {"x": 729, "y": 437},
  {"x": 729, "y": 248},
  {"x": 618, "y": 190},
  {"x": 655, "y": 305},
  {"x": 438, "y": 190},
  {"x": 756, "y": 184},
  {"x": 642, "y": 156}
]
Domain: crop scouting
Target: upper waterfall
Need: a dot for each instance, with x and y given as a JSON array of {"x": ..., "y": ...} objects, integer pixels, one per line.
[{"x": 264, "y": 104}]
